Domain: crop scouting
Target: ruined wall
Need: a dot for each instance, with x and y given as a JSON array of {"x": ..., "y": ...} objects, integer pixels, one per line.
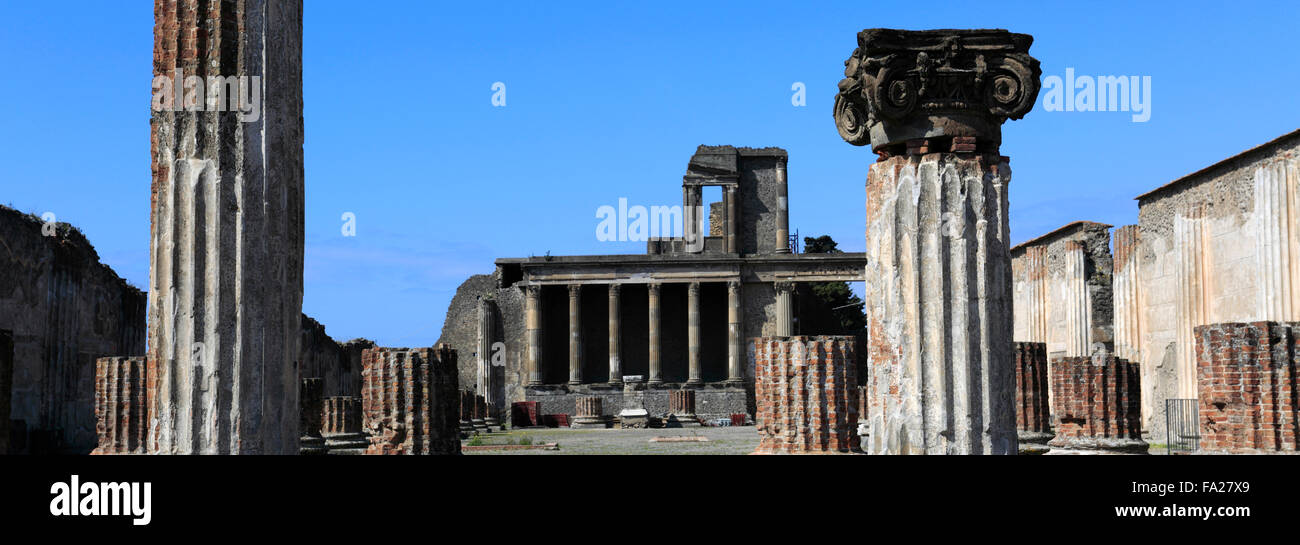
[
  {"x": 337, "y": 364},
  {"x": 460, "y": 330},
  {"x": 411, "y": 402},
  {"x": 760, "y": 199},
  {"x": 1063, "y": 290},
  {"x": 1096, "y": 405},
  {"x": 121, "y": 405},
  {"x": 1033, "y": 413},
  {"x": 806, "y": 392},
  {"x": 1220, "y": 245},
  {"x": 65, "y": 309},
  {"x": 1247, "y": 386}
]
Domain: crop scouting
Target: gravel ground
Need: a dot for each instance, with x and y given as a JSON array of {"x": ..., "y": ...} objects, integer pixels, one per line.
[{"x": 722, "y": 440}]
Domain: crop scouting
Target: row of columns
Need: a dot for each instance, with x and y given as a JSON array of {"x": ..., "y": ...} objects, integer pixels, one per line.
[{"x": 735, "y": 368}]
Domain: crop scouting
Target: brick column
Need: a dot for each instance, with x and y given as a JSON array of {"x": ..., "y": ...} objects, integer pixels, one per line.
[
  {"x": 480, "y": 415},
  {"x": 533, "y": 326},
  {"x": 1033, "y": 417},
  {"x": 656, "y": 369},
  {"x": 6, "y": 386},
  {"x": 693, "y": 332},
  {"x": 615, "y": 340},
  {"x": 410, "y": 400},
  {"x": 465, "y": 406},
  {"x": 226, "y": 234},
  {"x": 311, "y": 407},
  {"x": 1129, "y": 306},
  {"x": 735, "y": 334},
  {"x": 1097, "y": 406},
  {"x": 806, "y": 392},
  {"x": 681, "y": 409},
  {"x": 590, "y": 413},
  {"x": 121, "y": 405},
  {"x": 341, "y": 426},
  {"x": 575, "y": 334},
  {"x": 1247, "y": 387}
]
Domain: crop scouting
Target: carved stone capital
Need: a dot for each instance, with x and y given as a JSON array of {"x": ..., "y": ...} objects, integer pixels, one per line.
[
  {"x": 786, "y": 287},
  {"x": 533, "y": 291},
  {"x": 902, "y": 85},
  {"x": 733, "y": 287},
  {"x": 614, "y": 289},
  {"x": 575, "y": 290},
  {"x": 653, "y": 288},
  {"x": 693, "y": 289}
]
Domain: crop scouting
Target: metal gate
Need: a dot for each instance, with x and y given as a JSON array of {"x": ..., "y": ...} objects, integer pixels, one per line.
[{"x": 1182, "y": 426}]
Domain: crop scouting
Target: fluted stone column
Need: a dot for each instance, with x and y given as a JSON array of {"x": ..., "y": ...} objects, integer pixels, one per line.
[
  {"x": 681, "y": 410},
  {"x": 693, "y": 333},
  {"x": 735, "y": 335},
  {"x": 1276, "y": 194},
  {"x": 487, "y": 379},
  {"x": 575, "y": 334},
  {"x": 1077, "y": 303},
  {"x": 784, "y": 309},
  {"x": 226, "y": 237},
  {"x": 656, "y": 367},
  {"x": 1190, "y": 237},
  {"x": 733, "y": 241},
  {"x": 938, "y": 260},
  {"x": 590, "y": 413},
  {"x": 1038, "y": 308},
  {"x": 615, "y": 346},
  {"x": 533, "y": 326},
  {"x": 783, "y": 209},
  {"x": 1129, "y": 308}
]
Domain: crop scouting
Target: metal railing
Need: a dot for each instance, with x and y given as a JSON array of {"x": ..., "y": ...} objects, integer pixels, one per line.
[{"x": 1182, "y": 426}]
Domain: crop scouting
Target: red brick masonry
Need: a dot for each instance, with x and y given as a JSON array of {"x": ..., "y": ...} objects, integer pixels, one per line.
[
  {"x": 1246, "y": 380},
  {"x": 1097, "y": 404},
  {"x": 806, "y": 391},
  {"x": 342, "y": 415},
  {"x": 411, "y": 400},
  {"x": 1032, "y": 411},
  {"x": 121, "y": 405}
]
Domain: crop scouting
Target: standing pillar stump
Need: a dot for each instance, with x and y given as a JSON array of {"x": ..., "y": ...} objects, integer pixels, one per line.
[
  {"x": 1097, "y": 404},
  {"x": 341, "y": 426},
  {"x": 465, "y": 401},
  {"x": 1033, "y": 415},
  {"x": 311, "y": 407},
  {"x": 479, "y": 421},
  {"x": 806, "y": 392},
  {"x": 590, "y": 413},
  {"x": 681, "y": 409},
  {"x": 410, "y": 402},
  {"x": 121, "y": 405},
  {"x": 1246, "y": 377},
  {"x": 938, "y": 277}
]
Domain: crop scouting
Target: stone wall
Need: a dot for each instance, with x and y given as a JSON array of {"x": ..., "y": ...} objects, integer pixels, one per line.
[
  {"x": 1219, "y": 245},
  {"x": 1247, "y": 386},
  {"x": 1063, "y": 290},
  {"x": 806, "y": 392},
  {"x": 411, "y": 401},
  {"x": 1097, "y": 405},
  {"x": 65, "y": 309},
  {"x": 337, "y": 364}
]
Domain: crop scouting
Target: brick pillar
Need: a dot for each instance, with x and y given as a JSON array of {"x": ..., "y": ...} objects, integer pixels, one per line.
[
  {"x": 480, "y": 414},
  {"x": 410, "y": 400},
  {"x": 121, "y": 405},
  {"x": 6, "y": 386},
  {"x": 1097, "y": 406},
  {"x": 805, "y": 389},
  {"x": 681, "y": 409},
  {"x": 1247, "y": 386},
  {"x": 590, "y": 413},
  {"x": 341, "y": 426},
  {"x": 226, "y": 236},
  {"x": 1033, "y": 416},
  {"x": 311, "y": 407}
]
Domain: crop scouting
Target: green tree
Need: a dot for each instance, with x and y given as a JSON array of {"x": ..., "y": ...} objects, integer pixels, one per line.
[{"x": 844, "y": 304}]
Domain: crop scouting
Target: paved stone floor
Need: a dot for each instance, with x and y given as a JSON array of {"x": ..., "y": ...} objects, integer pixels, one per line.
[{"x": 722, "y": 440}]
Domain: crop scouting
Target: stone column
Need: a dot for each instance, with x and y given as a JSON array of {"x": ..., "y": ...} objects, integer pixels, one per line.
[
  {"x": 341, "y": 426},
  {"x": 311, "y": 406},
  {"x": 732, "y": 219},
  {"x": 1038, "y": 307},
  {"x": 693, "y": 333},
  {"x": 938, "y": 255},
  {"x": 6, "y": 386},
  {"x": 1078, "y": 325},
  {"x": 226, "y": 236},
  {"x": 575, "y": 334},
  {"x": 1275, "y": 194},
  {"x": 783, "y": 209},
  {"x": 784, "y": 309},
  {"x": 735, "y": 335},
  {"x": 590, "y": 413},
  {"x": 656, "y": 369},
  {"x": 121, "y": 405},
  {"x": 411, "y": 399},
  {"x": 1129, "y": 305},
  {"x": 1033, "y": 417},
  {"x": 805, "y": 390},
  {"x": 615, "y": 346},
  {"x": 533, "y": 325},
  {"x": 487, "y": 379},
  {"x": 1190, "y": 234},
  {"x": 465, "y": 404}
]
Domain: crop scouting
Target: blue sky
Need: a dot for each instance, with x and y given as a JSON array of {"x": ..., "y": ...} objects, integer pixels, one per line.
[{"x": 606, "y": 100}]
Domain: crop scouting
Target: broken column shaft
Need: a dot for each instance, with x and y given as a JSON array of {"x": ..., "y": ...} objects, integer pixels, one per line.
[{"x": 931, "y": 104}]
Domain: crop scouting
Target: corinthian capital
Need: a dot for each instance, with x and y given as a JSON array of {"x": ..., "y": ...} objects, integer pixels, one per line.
[{"x": 902, "y": 85}]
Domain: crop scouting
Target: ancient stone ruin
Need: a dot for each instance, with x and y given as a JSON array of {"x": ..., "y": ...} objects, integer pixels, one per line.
[
  {"x": 806, "y": 390},
  {"x": 410, "y": 401},
  {"x": 1096, "y": 406},
  {"x": 1033, "y": 409},
  {"x": 121, "y": 405},
  {"x": 1247, "y": 387},
  {"x": 931, "y": 104},
  {"x": 341, "y": 426}
]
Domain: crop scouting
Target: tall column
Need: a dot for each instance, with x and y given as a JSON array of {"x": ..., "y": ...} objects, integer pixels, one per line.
[
  {"x": 1193, "y": 294},
  {"x": 226, "y": 236},
  {"x": 784, "y": 309},
  {"x": 615, "y": 347},
  {"x": 656, "y": 369},
  {"x": 1128, "y": 313},
  {"x": 487, "y": 380},
  {"x": 1038, "y": 309},
  {"x": 939, "y": 266},
  {"x": 533, "y": 325},
  {"x": 575, "y": 334},
  {"x": 735, "y": 369},
  {"x": 1078, "y": 305},
  {"x": 693, "y": 333},
  {"x": 783, "y": 209},
  {"x": 1279, "y": 294},
  {"x": 733, "y": 242}
]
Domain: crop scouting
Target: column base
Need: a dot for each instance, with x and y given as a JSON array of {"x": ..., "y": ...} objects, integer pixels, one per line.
[
  {"x": 735, "y": 382},
  {"x": 466, "y": 428},
  {"x": 575, "y": 382},
  {"x": 492, "y": 423},
  {"x": 693, "y": 383},
  {"x": 1033, "y": 442},
  {"x": 311, "y": 446}
]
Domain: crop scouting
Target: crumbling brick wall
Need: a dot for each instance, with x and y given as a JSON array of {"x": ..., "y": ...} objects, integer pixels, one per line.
[
  {"x": 1246, "y": 375},
  {"x": 337, "y": 364},
  {"x": 121, "y": 405},
  {"x": 65, "y": 310},
  {"x": 1097, "y": 404},
  {"x": 806, "y": 391},
  {"x": 411, "y": 400},
  {"x": 341, "y": 415},
  {"x": 1032, "y": 410}
]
